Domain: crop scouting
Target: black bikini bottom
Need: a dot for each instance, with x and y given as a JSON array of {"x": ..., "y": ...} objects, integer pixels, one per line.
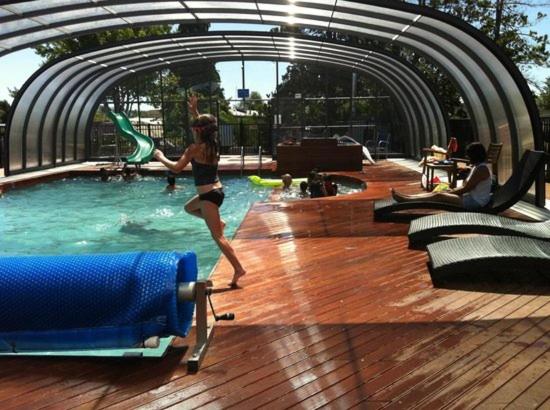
[{"x": 215, "y": 196}]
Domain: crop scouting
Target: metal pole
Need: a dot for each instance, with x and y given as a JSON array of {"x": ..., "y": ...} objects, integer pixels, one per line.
[
  {"x": 260, "y": 160},
  {"x": 188, "y": 132},
  {"x": 242, "y": 160},
  {"x": 352, "y": 105},
  {"x": 210, "y": 96},
  {"x": 302, "y": 120},
  {"x": 275, "y": 135},
  {"x": 138, "y": 104},
  {"x": 243, "y": 81},
  {"x": 162, "y": 110},
  {"x": 278, "y": 117}
]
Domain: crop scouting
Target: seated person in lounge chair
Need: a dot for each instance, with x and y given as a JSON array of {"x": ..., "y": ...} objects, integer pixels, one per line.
[{"x": 474, "y": 194}]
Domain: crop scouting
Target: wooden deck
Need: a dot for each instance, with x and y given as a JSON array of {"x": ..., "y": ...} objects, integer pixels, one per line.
[{"x": 335, "y": 311}]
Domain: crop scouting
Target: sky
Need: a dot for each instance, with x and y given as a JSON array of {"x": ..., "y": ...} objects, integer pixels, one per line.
[{"x": 17, "y": 67}]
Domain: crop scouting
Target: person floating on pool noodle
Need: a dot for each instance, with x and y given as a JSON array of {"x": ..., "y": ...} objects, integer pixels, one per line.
[{"x": 203, "y": 156}]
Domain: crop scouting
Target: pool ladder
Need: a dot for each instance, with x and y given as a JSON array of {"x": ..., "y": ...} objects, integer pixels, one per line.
[{"x": 259, "y": 160}]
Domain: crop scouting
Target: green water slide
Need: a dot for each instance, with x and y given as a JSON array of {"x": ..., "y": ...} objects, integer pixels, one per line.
[{"x": 144, "y": 144}]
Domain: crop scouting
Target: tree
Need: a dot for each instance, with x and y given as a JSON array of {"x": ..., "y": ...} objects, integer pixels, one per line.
[
  {"x": 543, "y": 99},
  {"x": 121, "y": 94},
  {"x": 506, "y": 23},
  {"x": 4, "y": 111},
  {"x": 254, "y": 103}
]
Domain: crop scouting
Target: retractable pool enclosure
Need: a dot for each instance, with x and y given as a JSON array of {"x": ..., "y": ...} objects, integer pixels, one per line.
[{"x": 51, "y": 119}]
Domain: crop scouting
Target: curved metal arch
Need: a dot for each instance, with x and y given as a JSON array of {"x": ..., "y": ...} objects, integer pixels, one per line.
[
  {"x": 329, "y": 14},
  {"x": 405, "y": 108},
  {"x": 500, "y": 102},
  {"x": 65, "y": 78}
]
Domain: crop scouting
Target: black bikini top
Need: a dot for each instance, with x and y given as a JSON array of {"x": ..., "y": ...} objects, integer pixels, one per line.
[{"x": 204, "y": 174}]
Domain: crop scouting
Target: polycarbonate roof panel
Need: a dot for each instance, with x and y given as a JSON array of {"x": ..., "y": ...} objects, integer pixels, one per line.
[
  {"x": 495, "y": 93},
  {"x": 383, "y": 11},
  {"x": 37, "y": 5},
  {"x": 68, "y": 81},
  {"x": 94, "y": 25},
  {"x": 228, "y": 16},
  {"x": 372, "y": 22},
  {"x": 72, "y": 15},
  {"x": 152, "y": 5},
  {"x": 31, "y": 38},
  {"x": 293, "y": 9},
  {"x": 4, "y": 12},
  {"x": 161, "y": 18},
  {"x": 222, "y": 5}
]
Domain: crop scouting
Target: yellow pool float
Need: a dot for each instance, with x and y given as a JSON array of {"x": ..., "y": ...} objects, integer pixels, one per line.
[{"x": 272, "y": 182}]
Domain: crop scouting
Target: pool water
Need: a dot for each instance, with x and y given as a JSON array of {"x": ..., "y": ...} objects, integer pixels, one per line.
[
  {"x": 344, "y": 188},
  {"x": 85, "y": 215}
]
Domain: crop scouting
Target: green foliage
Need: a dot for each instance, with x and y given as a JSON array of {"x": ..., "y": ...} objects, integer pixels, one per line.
[
  {"x": 120, "y": 94},
  {"x": 12, "y": 92},
  {"x": 66, "y": 46},
  {"x": 4, "y": 111},
  {"x": 317, "y": 86},
  {"x": 170, "y": 86},
  {"x": 505, "y": 22},
  {"x": 543, "y": 99}
]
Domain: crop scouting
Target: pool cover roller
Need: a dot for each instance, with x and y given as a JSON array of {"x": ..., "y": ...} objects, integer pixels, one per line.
[{"x": 93, "y": 301}]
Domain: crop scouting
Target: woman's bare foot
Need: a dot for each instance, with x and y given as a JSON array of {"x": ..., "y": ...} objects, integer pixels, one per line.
[{"x": 236, "y": 277}]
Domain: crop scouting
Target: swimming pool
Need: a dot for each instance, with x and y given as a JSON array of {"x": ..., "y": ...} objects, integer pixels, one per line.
[
  {"x": 346, "y": 186},
  {"x": 84, "y": 215}
]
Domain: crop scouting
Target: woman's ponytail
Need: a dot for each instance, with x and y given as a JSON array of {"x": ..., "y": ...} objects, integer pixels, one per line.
[{"x": 209, "y": 135}]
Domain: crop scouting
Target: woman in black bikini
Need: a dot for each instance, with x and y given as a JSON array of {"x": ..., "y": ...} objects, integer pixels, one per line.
[{"x": 203, "y": 156}]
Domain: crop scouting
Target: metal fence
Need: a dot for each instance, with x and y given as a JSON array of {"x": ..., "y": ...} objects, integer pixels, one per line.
[
  {"x": 2, "y": 138},
  {"x": 546, "y": 129},
  {"x": 546, "y": 133},
  {"x": 108, "y": 145}
]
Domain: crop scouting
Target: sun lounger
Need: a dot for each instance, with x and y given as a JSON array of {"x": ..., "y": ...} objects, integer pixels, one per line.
[
  {"x": 491, "y": 257},
  {"x": 506, "y": 195},
  {"x": 423, "y": 230}
]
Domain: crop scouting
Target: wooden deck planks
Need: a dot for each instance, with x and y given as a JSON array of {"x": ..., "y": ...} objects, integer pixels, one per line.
[{"x": 335, "y": 311}]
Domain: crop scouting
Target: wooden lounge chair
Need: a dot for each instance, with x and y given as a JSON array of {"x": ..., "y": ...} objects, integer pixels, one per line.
[
  {"x": 424, "y": 230},
  {"x": 506, "y": 195},
  {"x": 489, "y": 257}
]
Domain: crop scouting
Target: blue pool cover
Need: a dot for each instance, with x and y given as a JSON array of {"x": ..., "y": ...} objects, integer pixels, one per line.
[{"x": 92, "y": 301}]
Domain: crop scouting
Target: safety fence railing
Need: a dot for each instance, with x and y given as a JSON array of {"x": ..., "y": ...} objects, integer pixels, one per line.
[
  {"x": 104, "y": 142},
  {"x": 2, "y": 142},
  {"x": 546, "y": 134},
  {"x": 242, "y": 159}
]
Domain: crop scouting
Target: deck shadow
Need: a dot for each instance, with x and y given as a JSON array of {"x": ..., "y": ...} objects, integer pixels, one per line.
[
  {"x": 532, "y": 284},
  {"x": 253, "y": 365}
]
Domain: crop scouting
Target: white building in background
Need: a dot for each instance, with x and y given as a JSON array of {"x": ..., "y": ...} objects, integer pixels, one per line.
[{"x": 248, "y": 113}]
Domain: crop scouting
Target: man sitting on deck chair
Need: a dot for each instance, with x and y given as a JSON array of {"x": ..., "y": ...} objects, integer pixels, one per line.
[{"x": 474, "y": 194}]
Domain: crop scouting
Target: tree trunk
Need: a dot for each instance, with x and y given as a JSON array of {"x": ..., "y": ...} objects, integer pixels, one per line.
[{"x": 499, "y": 6}]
